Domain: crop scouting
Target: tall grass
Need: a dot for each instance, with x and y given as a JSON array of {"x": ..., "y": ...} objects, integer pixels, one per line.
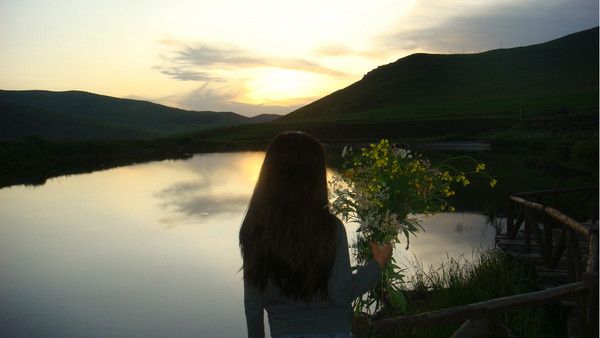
[{"x": 490, "y": 274}]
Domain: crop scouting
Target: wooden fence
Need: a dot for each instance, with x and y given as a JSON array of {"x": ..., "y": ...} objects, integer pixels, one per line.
[{"x": 540, "y": 224}]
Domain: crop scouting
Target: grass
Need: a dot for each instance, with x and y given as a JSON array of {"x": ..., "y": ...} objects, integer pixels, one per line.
[
  {"x": 492, "y": 274},
  {"x": 355, "y": 131},
  {"x": 508, "y": 106}
]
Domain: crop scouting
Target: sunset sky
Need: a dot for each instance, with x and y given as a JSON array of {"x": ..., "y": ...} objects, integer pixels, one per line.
[{"x": 252, "y": 57}]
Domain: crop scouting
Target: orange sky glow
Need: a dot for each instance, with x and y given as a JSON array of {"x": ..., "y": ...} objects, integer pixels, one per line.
[{"x": 252, "y": 57}]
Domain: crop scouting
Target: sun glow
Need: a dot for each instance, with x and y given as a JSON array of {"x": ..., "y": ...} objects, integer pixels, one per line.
[
  {"x": 250, "y": 165},
  {"x": 251, "y": 57},
  {"x": 276, "y": 85}
]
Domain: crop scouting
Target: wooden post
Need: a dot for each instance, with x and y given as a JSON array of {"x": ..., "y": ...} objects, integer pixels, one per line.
[
  {"x": 590, "y": 304},
  {"x": 517, "y": 225},
  {"x": 509, "y": 215},
  {"x": 527, "y": 232},
  {"x": 548, "y": 238},
  {"x": 534, "y": 225},
  {"x": 592, "y": 261},
  {"x": 558, "y": 250},
  {"x": 590, "y": 276},
  {"x": 574, "y": 268}
]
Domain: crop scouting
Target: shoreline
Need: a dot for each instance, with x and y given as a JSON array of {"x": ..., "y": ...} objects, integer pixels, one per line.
[{"x": 33, "y": 161}]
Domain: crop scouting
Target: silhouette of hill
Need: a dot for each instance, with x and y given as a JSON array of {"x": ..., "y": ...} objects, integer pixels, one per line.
[
  {"x": 76, "y": 114},
  {"x": 421, "y": 95},
  {"x": 264, "y": 118},
  {"x": 502, "y": 83}
]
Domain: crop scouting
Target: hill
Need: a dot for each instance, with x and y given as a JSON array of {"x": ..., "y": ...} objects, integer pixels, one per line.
[
  {"x": 76, "y": 114},
  {"x": 505, "y": 83},
  {"x": 542, "y": 97}
]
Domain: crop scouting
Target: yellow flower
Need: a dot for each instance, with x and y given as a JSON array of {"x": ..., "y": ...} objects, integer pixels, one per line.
[
  {"x": 493, "y": 182},
  {"x": 466, "y": 182}
]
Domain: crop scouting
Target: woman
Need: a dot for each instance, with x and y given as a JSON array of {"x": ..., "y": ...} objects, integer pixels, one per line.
[{"x": 295, "y": 252}]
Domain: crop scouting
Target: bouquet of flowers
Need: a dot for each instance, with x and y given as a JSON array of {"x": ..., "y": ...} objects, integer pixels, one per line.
[{"x": 382, "y": 188}]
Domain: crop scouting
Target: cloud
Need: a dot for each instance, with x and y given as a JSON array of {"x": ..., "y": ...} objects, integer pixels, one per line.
[
  {"x": 477, "y": 28},
  {"x": 181, "y": 62},
  {"x": 184, "y": 74},
  {"x": 190, "y": 198},
  {"x": 225, "y": 73},
  {"x": 208, "y": 56},
  {"x": 209, "y": 97},
  {"x": 221, "y": 96}
]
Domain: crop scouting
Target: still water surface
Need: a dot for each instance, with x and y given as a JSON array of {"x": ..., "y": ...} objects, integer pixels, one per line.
[{"x": 150, "y": 250}]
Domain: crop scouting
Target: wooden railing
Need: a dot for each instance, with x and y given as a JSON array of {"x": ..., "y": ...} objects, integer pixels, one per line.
[
  {"x": 395, "y": 327},
  {"x": 539, "y": 222},
  {"x": 552, "y": 198}
]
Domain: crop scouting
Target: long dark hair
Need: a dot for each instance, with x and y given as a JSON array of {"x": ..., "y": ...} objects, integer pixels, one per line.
[{"x": 288, "y": 234}]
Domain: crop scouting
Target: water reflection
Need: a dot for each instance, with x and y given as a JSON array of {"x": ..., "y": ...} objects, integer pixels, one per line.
[
  {"x": 223, "y": 184},
  {"x": 192, "y": 200},
  {"x": 150, "y": 250},
  {"x": 440, "y": 238}
]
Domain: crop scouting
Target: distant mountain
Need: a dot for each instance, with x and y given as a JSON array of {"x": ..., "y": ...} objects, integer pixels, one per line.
[
  {"x": 77, "y": 114},
  {"x": 505, "y": 83},
  {"x": 264, "y": 118}
]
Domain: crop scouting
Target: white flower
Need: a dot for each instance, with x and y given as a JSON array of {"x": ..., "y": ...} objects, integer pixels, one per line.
[
  {"x": 402, "y": 153},
  {"x": 346, "y": 150}
]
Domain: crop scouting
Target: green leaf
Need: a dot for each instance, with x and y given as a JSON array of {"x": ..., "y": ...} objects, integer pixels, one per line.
[{"x": 397, "y": 299}]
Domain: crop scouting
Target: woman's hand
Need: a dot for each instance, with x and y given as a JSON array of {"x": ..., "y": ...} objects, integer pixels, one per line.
[{"x": 381, "y": 253}]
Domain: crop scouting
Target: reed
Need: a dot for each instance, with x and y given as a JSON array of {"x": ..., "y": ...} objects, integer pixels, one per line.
[{"x": 486, "y": 275}]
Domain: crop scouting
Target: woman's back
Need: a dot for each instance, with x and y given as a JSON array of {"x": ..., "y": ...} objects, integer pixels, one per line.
[
  {"x": 332, "y": 314},
  {"x": 295, "y": 252},
  {"x": 287, "y": 234}
]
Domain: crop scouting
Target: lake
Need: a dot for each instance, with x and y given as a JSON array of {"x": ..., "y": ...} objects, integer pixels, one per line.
[{"x": 151, "y": 250}]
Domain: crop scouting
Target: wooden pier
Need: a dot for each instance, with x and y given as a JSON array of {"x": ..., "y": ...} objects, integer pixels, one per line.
[
  {"x": 548, "y": 276},
  {"x": 562, "y": 249},
  {"x": 564, "y": 252},
  {"x": 540, "y": 234}
]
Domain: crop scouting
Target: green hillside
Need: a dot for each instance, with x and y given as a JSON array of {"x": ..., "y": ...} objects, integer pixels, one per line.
[
  {"x": 506, "y": 83},
  {"x": 75, "y": 114}
]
